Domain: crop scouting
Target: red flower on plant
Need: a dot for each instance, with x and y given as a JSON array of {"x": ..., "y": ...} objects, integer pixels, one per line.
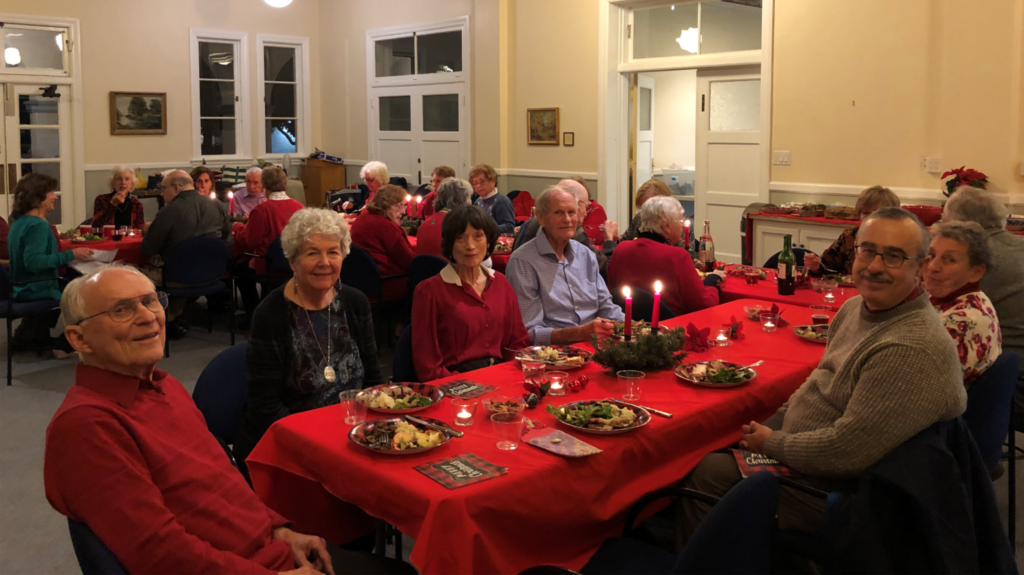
[
  {"x": 964, "y": 176},
  {"x": 697, "y": 339}
]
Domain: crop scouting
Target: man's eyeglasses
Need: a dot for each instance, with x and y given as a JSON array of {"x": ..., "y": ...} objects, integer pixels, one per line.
[
  {"x": 125, "y": 309},
  {"x": 890, "y": 259}
]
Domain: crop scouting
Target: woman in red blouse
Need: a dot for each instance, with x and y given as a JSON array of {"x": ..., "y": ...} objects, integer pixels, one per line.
[
  {"x": 467, "y": 316},
  {"x": 377, "y": 231},
  {"x": 451, "y": 193},
  {"x": 119, "y": 208},
  {"x": 654, "y": 256}
]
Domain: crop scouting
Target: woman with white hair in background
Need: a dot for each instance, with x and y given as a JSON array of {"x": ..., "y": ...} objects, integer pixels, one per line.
[
  {"x": 654, "y": 256},
  {"x": 119, "y": 208},
  {"x": 312, "y": 338},
  {"x": 374, "y": 174},
  {"x": 451, "y": 193}
]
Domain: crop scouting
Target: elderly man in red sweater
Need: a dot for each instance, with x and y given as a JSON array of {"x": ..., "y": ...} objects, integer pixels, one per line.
[
  {"x": 129, "y": 455},
  {"x": 654, "y": 256}
]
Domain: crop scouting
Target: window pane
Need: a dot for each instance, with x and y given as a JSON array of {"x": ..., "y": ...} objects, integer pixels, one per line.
[
  {"x": 37, "y": 111},
  {"x": 728, "y": 27},
  {"x": 278, "y": 64},
  {"x": 29, "y": 48},
  {"x": 40, "y": 143},
  {"x": 216, "y": 99},
  {"x": 218, "y": 137},
  {"x": 439, "y": 53},
  {"x": 216, "y": 60},
  {"x": 645, "y": 109},
  {"x": 282, "y": 136},
  {"x": 395, "y": 114},
  {"x": 280, "y": 101},
  {"x": 736, "y": 106},
  {"x": 394, "y": 57},
  {"x": 441, "y": 113},
  {"x": 661, "y": 32},
  {"x": 51, "y": 169}
]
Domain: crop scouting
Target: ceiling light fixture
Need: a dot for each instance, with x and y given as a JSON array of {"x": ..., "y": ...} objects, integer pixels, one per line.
[
  {"x": 12, "y": 56},
  {"x": 673, "y": 6},
  {"x": 688, "y": 40},
  {"x": 278, "y": 3}
]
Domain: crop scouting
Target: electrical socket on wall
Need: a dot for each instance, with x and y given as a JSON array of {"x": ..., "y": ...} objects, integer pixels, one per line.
[
  {"x": 781, "y": 157},
  {"x": 931, "y": 164}
]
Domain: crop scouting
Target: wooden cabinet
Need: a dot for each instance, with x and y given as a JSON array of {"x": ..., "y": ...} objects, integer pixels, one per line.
[
  {"x": 320, "y": 177},
  {"x": 814, "y": 236}
]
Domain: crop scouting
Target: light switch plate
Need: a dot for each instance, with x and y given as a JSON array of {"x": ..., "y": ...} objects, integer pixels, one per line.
[
  {"x": 932, "y": 164},
  {"x": 781, "y": 157}
]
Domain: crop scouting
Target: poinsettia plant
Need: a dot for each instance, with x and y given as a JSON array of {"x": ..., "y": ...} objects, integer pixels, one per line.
[
  {"x": 735, "y": 329},
  {"x": 697, "y": 339},
  {"x": 964, "y": 177}
]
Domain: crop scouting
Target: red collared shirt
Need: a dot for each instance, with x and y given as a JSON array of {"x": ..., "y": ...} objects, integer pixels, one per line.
[{"x": 134, "y": 461}]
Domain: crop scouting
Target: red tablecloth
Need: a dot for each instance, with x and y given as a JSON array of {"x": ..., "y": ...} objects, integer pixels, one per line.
[
  {"x": 129, "y": 250},
  {"x": 736, "y": 288},
  {"x": 546, "y": 509}
]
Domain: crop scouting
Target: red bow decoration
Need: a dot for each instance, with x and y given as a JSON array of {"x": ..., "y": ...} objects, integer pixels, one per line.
[
  {"x": 778, "y": 312},
  {"x": 697, "y": 339},
  {"x": 735, "y": 329}
]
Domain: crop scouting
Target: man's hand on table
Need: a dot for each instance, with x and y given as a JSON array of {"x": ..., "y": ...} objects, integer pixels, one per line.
[
  {"x": 754, "y": 437},
  {"x": 568, "y": 335},
  {"x": 304, "y": 547}
]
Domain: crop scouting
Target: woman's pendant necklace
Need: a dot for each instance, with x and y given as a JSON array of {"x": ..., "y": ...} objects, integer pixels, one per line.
[{"x": 329, "y": 374}]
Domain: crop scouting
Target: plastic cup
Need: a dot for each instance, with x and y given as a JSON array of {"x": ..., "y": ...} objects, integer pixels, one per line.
[
  {"x": 533, "y": 371},
  {"x": 752, "y": 277},
  {"x": 820, "y": 314},
  {"x": 352, "y": 406},
  {"x": 508, "y": 427},
  {"x": 630, "y": 381}
]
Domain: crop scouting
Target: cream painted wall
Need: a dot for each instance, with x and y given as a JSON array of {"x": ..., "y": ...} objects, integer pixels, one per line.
[
  {"x": 675, "y": 117},
  {"x": 128, "y": 45},
  {"x": 863, "y": 90},
  {"x": 343, "y": 27}
]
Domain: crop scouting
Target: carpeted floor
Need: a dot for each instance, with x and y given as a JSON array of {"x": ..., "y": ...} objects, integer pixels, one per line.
[{"x": 33, "y": 537}]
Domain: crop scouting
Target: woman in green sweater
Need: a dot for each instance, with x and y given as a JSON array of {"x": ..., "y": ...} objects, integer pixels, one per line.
[{"x": 34, "y": 256}]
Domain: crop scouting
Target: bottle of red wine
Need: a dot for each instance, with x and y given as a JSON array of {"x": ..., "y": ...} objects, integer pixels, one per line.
[
  {"x": 706, "y": 250},
  {"x": 787, "y": 267}
]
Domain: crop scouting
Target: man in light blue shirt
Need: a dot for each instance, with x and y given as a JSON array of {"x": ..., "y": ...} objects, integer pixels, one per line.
[{"x": 561, "y": 294}]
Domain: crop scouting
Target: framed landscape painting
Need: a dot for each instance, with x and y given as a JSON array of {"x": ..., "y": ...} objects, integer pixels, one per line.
[
  {"x": 542, "y": 126},
  {"x": 138, "y": 113}
]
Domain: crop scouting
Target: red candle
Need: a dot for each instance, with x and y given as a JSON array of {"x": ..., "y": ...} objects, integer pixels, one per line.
[
  {"x": 629, "y": 312},
  {"x": 419, "y": 210},
  {"x": 686, "y": 234},
  {"x": 231, "y": 203},
  {"x": 657, "y": 304}
]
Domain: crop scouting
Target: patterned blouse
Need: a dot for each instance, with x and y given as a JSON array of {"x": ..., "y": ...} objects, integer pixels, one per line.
[
  {"x": 968, "y": 316},
  {"x": 839, "y": 256}
]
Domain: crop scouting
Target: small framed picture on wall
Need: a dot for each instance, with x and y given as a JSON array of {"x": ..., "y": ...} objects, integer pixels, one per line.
[
  {"x": 569, "y": 139},
  {"x": 138, "y": 113},
  {"x": 542, "y": 126}
]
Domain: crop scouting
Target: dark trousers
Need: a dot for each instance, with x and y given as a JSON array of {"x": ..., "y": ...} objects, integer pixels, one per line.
[
  {"x": 245, "y": 279},
  {"x": 34, "y": 332}
]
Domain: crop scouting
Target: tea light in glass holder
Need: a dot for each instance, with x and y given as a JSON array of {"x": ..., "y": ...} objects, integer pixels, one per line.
[
  {"x": 559, "y": 381},
  {"x": 722, "y": 338},
  {"x": 464, "y": 411},
  {"x": 769, "y": 321},
  {"x": 828, "y": 295}
]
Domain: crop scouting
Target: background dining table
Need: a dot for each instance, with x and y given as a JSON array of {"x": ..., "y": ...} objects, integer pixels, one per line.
[
  {"x": 547, "y": 509},
  {"x": 736, "y": 288},
  {"x": 129, "y": 249}
]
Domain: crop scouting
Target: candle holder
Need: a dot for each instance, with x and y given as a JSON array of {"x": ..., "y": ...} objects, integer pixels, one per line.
[
  {"x": 559, "y": 381},
  {"x": 769, "y": 321},
  {"x": 464, "y": 411},
  {"x": 722, "y": 337}
]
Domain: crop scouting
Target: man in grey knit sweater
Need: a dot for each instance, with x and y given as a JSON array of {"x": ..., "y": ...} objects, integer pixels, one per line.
[{"x": 889, "y": 371}]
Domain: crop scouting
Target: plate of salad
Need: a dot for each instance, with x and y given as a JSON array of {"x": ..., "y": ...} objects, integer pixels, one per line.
[
  {"x": 603, "y": 417},
  {"x": 396, "y": 436},
  {"x": 564, "y": 357},
  {"x": 401, "y": 397},
  {"x": 714, "y": 373}
]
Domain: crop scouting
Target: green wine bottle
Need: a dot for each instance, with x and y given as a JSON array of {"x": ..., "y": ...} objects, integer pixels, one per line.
[{"x": 787, "y": 267}]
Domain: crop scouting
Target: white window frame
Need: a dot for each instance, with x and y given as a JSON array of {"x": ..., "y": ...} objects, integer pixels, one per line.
[
  {"x": 303, "y": 98},
  {"x": 373, "y": 36},
  {"x": 50, "y": 26},
  {"x": 243, "y": 140}
]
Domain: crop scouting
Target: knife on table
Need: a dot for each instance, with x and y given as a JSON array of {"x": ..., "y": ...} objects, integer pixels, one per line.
[
  {"x": 650, "y": 409},
  {"x": 451, "y": 432}
]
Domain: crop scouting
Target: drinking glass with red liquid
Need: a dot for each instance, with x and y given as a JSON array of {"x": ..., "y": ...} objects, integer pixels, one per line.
[{"x": 821, "y": 314}]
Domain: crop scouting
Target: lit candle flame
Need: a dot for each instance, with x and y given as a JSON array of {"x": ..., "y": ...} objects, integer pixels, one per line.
[
  {"x": 657, "y": 286},
  {"x": 419, "y": 199},
  {"x": 687, "y": 223},
  {"x": 408, "y": 198},
  {"x": 626, "y": 292},
  {"x": 213, "y": 195},
  {"x": 231, "y": 195}
]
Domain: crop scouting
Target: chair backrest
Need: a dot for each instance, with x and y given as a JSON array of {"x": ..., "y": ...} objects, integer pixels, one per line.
[
  {"x": 196, "y": 261},
  {"x": 402, "y": 368},
  {"x": 424, "y": 267},
  {"x": 6, "y": 284},
  {"x": 512, "y": 195},
  {"x": 221, "y": 390},
  {"x": 522, "y": 203},
  {"x": 643, "y": 305},
  {"x": 277, "y": 263},
  {"x": 399, "y": 181},
  {"x": 361, "y": 272},
  {"x": 773, "y": 262},
  {"x": 989, "y": 400},
  {"x": 94, "y": 557},
  {"x": 745, "y": 513}
]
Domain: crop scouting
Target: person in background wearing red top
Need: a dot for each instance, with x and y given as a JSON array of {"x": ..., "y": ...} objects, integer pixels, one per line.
[
  {"x": 440, "y": 174},
  {"x": 374, "y": 174},
  {"x": 654, "y": 256},
  {"x": 594, "y": 217},
  {"x": 265, "y": 223},
  {"x": 376, "y": 230},
  {"x": 128, "y": 453},
  {"x": 466, "y": 316},
  {"x": 452, "y": 193},
  {"x": 119, "y": 208}
]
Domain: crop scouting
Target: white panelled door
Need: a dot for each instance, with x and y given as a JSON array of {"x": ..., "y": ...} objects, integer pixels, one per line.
[
  {"x": 644, "y": 130},
  {"x": 728, "y": 153},
  {"x": 37, "y": 139},
  {"x": 417, "y": 128}
]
